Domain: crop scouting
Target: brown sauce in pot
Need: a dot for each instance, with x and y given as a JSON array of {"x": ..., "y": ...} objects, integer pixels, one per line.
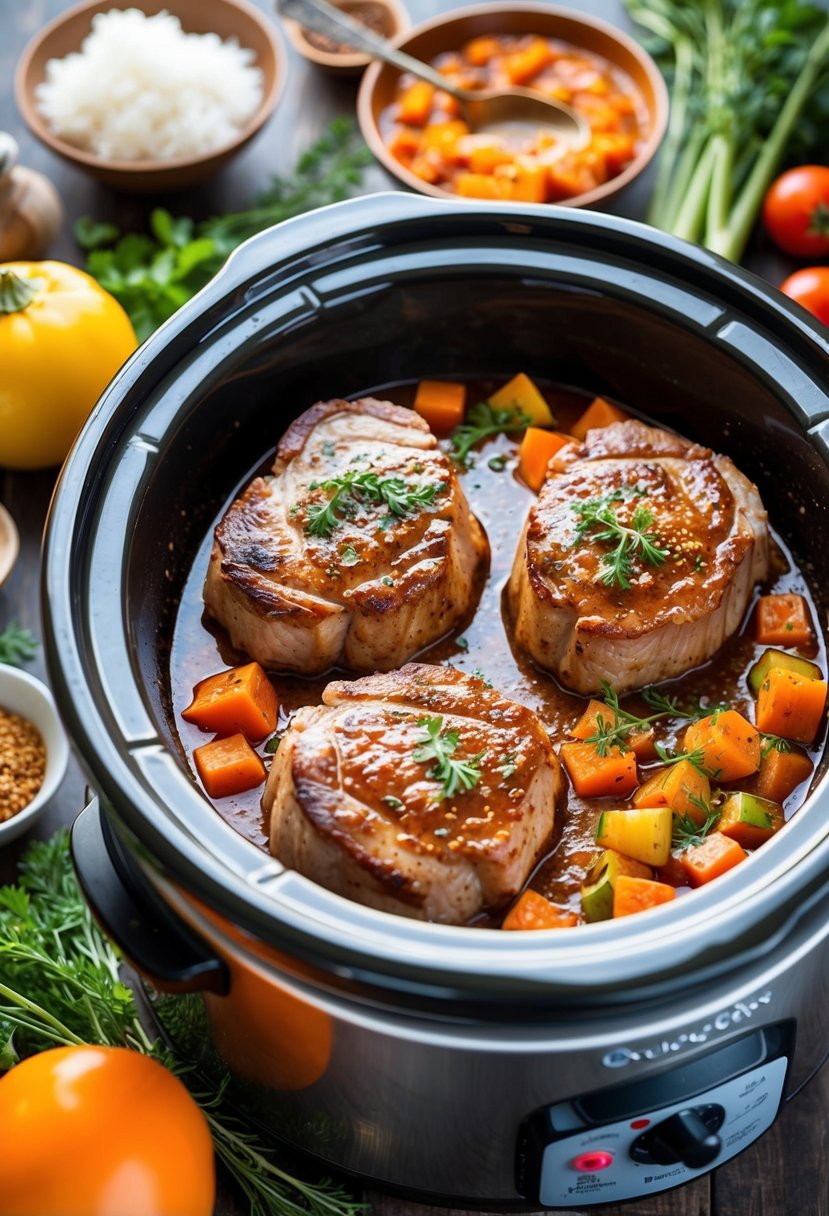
[{"x": 501, "y": 501}]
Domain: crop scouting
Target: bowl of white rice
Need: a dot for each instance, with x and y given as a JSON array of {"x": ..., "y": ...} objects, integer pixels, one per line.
[{"x": 151, "y": 96}]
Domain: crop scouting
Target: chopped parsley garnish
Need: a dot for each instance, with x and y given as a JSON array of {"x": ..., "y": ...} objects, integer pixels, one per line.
[
  {"x": 497, "y": 463},
  {"x": 629, "y": 541},
  {"x": 387, "y": 580},
  {"x": 272, "y": 745},
  {"x": 476, "y": 671},
  {"x": 687, "y": 832},
  {"x": 507, "y": 765},
  {"x": 773, "y": 743},
  {"x": 349, "y": 556},
  {"x": 481, "y": 422},
  {"x": 356, "y": 488},
  {"x": 439, "y": 746},
  {"x": 462, "y": 644},
  {"x": 694, "y": 758},
  {"x": 328, "y": 449},
  {"x": 390, "y": 800}
]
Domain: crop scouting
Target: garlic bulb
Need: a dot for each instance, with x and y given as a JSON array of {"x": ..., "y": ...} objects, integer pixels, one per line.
[{"x": 30, "y": 208}]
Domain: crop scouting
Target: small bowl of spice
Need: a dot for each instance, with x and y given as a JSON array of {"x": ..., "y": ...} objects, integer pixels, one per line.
[
  {"x": 33, "y": 751},
  {"x": 386, "y": 18}
]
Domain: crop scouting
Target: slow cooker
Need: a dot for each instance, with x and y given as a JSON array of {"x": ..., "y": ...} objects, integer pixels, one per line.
[{"x": 456, "y": 1065}]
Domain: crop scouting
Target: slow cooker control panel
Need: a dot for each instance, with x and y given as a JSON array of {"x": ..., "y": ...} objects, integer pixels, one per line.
[{"x": 634, "y": 1140}]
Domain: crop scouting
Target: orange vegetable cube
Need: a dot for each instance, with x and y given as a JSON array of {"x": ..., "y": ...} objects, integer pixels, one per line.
[
  {"x": 535, "y": 453},
  {"x": 415, "y": 105},
  {"x": 780, "y": 774},
  {"x": 730, "y": 745},
  {"x": 443, "y": 137},
  {"x": 641, "y": 741},
  {"x": 485, "y": 158},
  {"x": 239, "y": 700},
  {"x": 567, "y": 178},
  {"x": 521, "y": 394},
  {"x": 680, "y": 786},
  {"x": 714, "y": 856},
  {"x": 228, "y": 766},
  {"x": 483, "y": 185},
  {"x": 595, "y": 776},
  {"x": 790, "y": 706},
  {"x": 533, "y": 911},
  {"x": 441, "y": 403},
  {"x": 599, "y": 413},
  {"x": 783, "y": 620},
  {"x": 404, "y": 144},
  {"x": 617, "y": 149},
  {"x": 479, "y": 51},
  {"x": 632, "y": 895},
  {"x": 522, "y": 65},
  {"x": 600, "y": 114},
  {"x": 427, "y": 167},
  {"x": 529, "y": 185}
]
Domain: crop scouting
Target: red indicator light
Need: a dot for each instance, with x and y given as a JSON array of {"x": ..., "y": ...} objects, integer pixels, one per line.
[
  {"x": 639, "y": 1123},
  {"x": 588, "y": 1163}
]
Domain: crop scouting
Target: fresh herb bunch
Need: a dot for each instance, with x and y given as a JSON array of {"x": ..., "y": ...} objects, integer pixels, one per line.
[
  {"x": 481, "y": 422},
  {"x": 630, "y": 541},
  {"x": 356, "y": 487},
  {"x": 153, "y": 275},
  {"x": 749, "y": 83},
  {"x": 613, "y": 731},
  {"x": 439, "y": 745},
  {"x": 17, "y": 645},
  {"x": 60, "y": 985}
]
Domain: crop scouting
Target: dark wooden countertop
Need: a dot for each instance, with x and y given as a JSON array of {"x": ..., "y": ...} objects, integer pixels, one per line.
[{"x": 786, "y": 1173}]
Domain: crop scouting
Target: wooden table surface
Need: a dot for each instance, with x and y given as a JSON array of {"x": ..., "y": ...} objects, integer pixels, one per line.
[{"x": 786, "y": 1173}]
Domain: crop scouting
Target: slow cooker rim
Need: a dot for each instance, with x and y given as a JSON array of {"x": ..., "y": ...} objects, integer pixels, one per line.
[{"x": 100, "y": 436}]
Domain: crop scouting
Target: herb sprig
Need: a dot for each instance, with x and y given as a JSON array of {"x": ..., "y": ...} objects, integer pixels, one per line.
[
  {"x": 629, "y": 541},
  {"x": 17, "y": 645},
  {"x": 352, "y": 489},
  {"x": 481, "y": 422},
  {"x": 440, "y": 745},
  {"x": 687, "y": 832}
]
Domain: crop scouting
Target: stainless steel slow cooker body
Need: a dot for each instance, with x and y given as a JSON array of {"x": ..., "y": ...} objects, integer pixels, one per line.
[{"x": 478, "y": 1067}]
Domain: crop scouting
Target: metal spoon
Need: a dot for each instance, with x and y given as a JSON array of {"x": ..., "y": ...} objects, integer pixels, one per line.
[{"x": 508, "y": 112}]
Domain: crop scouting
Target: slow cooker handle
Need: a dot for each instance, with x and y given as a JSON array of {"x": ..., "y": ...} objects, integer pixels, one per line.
[{"x": 152, "y": 938}]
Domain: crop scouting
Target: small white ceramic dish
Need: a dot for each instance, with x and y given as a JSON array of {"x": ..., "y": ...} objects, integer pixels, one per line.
[
  {"x": 22, "y": 694},
  {"x": 9, "y": 544}
]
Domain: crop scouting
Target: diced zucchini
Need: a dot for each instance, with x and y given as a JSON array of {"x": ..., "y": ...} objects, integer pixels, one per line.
[
  {"x": 643, "y": 833},
  {"x": 600, "y": 881},
  {"x": 750, "y": 820},
  {"x": 780, "y": 658}
]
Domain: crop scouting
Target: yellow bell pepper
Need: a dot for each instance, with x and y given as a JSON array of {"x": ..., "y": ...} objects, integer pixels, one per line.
[{"x": 62, "y": 338}]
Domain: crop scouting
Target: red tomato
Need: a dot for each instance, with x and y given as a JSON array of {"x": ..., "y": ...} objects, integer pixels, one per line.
[
  {"x": 796, "y": 211},
  {"x": 101, "y": 1131},
  {"x": 810, "y": 287}
]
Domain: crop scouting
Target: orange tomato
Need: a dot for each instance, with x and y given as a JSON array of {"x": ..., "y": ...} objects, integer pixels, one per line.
[{"x": 101, "y": 1131}]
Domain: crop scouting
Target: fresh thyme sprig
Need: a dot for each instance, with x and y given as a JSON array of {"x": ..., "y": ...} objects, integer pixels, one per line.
[
  {"x": 629, "y": 540},
  {"x": 439, "y": 746},
  {"x": 481, "y": 422},
  {"x": 354, "y": 488},
  {"x": 614, "y": 734},
  {"x": 686, "y": 831},
  {"x": 694, "y": 758},
  {"x": 772, "y": 743}
]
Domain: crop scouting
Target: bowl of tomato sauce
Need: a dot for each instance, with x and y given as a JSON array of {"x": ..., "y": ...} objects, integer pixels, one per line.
[{"x": 418, "y": 134}]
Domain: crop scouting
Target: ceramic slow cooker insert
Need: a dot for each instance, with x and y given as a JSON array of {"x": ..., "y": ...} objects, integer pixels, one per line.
[{"x": 471, "y": 1066}]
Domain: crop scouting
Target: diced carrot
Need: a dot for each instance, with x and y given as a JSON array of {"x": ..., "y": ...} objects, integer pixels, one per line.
[
  {"x": 680, "y": 786},
  {"x": 441, "y": 403},
  {"x": 533, "y": 911},
  {"x": 537, "y": 450},
  {"x": 783, "y": 620},
  {"x": 479, "y": 51},
  {"x": 638, "y": 894},
  {"x": 750, "y": 820},
  {"x": 601, "y": 114},
  {"x": 641, "y": 741},
  {"x": 790, "y": 706},
  {"x": 714, "y": 856},
  {"x": 730, "y": 745},
  {"x": 617, "y": 149},
  {"x": 780, "y": 774},
  {"x": 241, "y": 699},
  {"x": 484, "y": 158},
  {"x": 595, "y": 776},
  {"x": 522, "y": 65},
  {"x": 520, "y": 393},
  {"x": 599, "y": 413},
  {"x": 415, "y": 105},
  {"x": 404, "y": 144},
  {"x": 228, "y": 766},
  {"x": 483, "y": 185},
  {"x": 443, "y": 137}
]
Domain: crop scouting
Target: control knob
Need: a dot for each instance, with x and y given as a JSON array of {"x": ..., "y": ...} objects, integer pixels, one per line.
[{"x": 689, "y": 1136}]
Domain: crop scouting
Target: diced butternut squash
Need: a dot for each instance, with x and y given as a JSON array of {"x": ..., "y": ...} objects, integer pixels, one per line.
[
  {"x": 643, "y": 833},
  {"x": 780, "y": 774},
  {"x": 600, "y": 882},
  {"x": 529, "y": 184},
  {"x": 521, "y": 394},
  {"x": 535, "y": 453},
  {"x": 640, "y": 741},
  {"x": 427, "y": 166},
  {"x": 404, "y": 144},
  {"x": 228, "y": 766},
  {"x": 441, "y": 403},
  {"x": 241, "y": 699},
  {"x": 749, "y": 820},
  {"x": 483, "y": 185},
  {"x": 790, "y": 706},
  {"x": 522, "y": 65},
  {"x": 485, "y": 158},
  {"x": 479, "y": 51},
  {"x": 730, "y": 745},
  {"x": 533, "y": 911},
  {"x": 617, "y": 149},
  {"x": 679, "y": 786},
  {"x": 443, "y": 137},
  {"x": 638, "y": 894},
  {"x": 599, "y": 413},
  {"x": 716, "y": 855},
  {"x": 613, "y": 775},
  {"x": 783, "y": 620},
  {"x": 415, "y": 106},
  {"x": 779, "y": 658}
]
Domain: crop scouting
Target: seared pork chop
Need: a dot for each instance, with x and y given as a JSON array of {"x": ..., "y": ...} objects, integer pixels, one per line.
[
  {"x": 360, "y": 550},
  {"x": 359, "y": 801},
  {"x": 702, "y": 546}
]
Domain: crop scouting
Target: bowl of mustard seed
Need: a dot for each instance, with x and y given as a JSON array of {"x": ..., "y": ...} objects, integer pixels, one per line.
[{"x": 33, "y": 751}]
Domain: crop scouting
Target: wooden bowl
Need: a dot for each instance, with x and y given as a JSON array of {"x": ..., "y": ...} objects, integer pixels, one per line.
[
  {"x": 227, "y": 18},
  {"x": 450, "y": 31},
  {"x": 395, "y": 21}
]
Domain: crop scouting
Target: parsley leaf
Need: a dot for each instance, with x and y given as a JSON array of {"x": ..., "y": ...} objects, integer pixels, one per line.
[
  {"x": 17, "y": 645},
  {"x": 629, "y": 541},
  {"x": 481, "y": 422},
  {"x": 440, "y": 746},
  {"x": 356, "y": 488}
]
